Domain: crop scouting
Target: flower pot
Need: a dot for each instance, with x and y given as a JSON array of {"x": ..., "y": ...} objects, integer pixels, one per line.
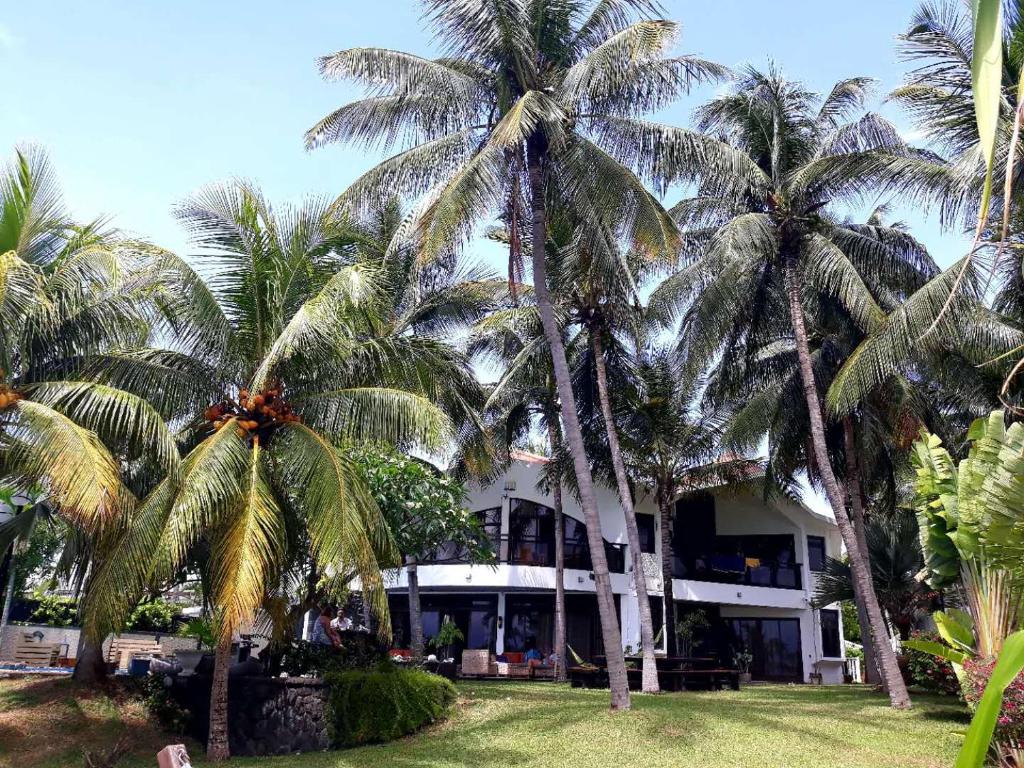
[
  {"x": 189, "y": 659},
  {"x": 745, "y": 677}
]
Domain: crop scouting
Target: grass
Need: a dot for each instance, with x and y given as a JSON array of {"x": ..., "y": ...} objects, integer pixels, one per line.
[{"x": 48, "y": 723}]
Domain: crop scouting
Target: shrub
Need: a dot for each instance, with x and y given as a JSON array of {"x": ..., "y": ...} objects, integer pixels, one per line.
[
  {"x": 930, "y": 672},
  {"x": 162, "y": 706},
  {"x": 54, "y": 611},
  {"x": 1010, "y": 724},
  {"x": 153, "y": 616},
  {"x": 359, "y": 650},
  {"x": 385, "y": 703}
]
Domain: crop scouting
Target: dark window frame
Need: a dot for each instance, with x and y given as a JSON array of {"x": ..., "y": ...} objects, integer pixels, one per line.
[
  {"x": 819, "y": 541},
  {"x": 835, "y": 640}
]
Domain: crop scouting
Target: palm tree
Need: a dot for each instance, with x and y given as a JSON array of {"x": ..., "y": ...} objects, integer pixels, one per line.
[
  {"x": 893, "y": 541},
  {"x": 70, "y": 294},
  {"x": 534, "y": 101},
  {"x": 768, "y": 247},
  {"x": 275, "y": 366},
  {"x": 600, "y": 286},
  {"x": 524, "y": 397},
  {"x": 671, "y": 445}
]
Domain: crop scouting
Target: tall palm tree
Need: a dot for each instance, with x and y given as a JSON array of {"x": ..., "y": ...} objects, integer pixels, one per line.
[
  {"x": 533, "y": 102},
  {"x": 672, "y": 445},
  {"x": 525, "y": 397},
  {"x": 274, "y": 367},
  {"x": 767, "y": 244},
  {"x": 600, "y": 289},
  {"x": 69, "y": 293},
  {"x": 868, "y": 444}
]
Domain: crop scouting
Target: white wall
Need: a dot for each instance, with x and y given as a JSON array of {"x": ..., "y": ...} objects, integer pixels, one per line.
[{"x": 736, "y": 514}]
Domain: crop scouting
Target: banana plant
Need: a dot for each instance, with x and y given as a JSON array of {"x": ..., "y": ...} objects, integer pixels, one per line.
[{"x": 972, "y": 524}]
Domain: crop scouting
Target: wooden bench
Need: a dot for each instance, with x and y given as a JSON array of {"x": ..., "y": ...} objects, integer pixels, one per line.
[
  {"x": 34, "y": 653},
  {"x": 122, "y": 649},
  {"x": 688, "y": 679}
]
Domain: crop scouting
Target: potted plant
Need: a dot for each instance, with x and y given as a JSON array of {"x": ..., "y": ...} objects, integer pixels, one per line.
[
  {"x": 447, "y": 635},
  {"x": 741, "y": 659},
  {"x": 201, "y": 629}
]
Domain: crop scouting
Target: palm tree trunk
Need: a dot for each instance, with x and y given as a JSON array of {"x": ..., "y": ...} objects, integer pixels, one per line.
[
  {"x": 610, "y": 634},
  {"x": 217, "y": 747},
  {"x": 649, "y": 683},
  {"x": 871, "y": 673},
  {"x": 555, "y": 436},
  {"x": 9, "y": 591},
  {"x": 90, "y": 666},
  {"x": 897, "y": 689},
  {"x": 415, "y": 613},
  {"x": 665, "y": 529}
]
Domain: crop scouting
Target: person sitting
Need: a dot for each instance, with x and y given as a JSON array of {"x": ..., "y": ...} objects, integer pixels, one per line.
[
  {"x": 534, "y": 658},
  {"x": 323, "y": 632},
  {"x": 341, "y": 623}
]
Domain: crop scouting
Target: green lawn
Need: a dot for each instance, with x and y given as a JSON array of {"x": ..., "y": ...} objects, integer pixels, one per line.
[{"x": 523, "y": 724}]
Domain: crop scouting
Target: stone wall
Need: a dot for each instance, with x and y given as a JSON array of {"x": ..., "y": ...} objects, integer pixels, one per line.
[{"x": 266, "y": 715}]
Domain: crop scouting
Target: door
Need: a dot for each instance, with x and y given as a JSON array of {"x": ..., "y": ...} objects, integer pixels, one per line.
[{"x": 774, "y": 645}]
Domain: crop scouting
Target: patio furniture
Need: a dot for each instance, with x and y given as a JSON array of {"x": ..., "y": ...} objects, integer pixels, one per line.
[
  {"x": 478, "y": 663},
  {"x": 588, "y": 677},
  {"x": 30, "y": 651},
  {"x": 123, "y": 649}
]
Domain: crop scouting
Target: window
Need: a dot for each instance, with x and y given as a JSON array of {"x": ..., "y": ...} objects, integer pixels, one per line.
[
  {"x": 774, "y": 644},
  {"x": 816, "y": 553},
  {"x": 831, "y": 642},
  {"x": 645, "y": 527}
]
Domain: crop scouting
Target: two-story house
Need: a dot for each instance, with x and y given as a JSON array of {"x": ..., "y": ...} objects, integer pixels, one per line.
[{"x": 747, "y": 564}]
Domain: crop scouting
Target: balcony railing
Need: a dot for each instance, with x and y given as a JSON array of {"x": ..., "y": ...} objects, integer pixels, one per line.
[
  {"x": 749, "y": 572},
  {"x": 532, "y": 550}
]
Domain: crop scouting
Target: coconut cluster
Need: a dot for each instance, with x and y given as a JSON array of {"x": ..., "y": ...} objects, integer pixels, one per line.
[
  {"x": 9, "y": 397},
  {"x": 260, "y": 412}
]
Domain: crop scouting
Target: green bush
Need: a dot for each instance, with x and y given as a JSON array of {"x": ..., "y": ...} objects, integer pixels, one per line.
[
  {"x": 153, "y": 616},
  {"x": 930, "y": 672},
  {"x": 54, "y": 611},
  {"x": 385, "y": 703}
]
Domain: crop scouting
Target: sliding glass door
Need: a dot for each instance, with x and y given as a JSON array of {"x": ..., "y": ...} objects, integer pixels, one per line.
[{"x": 775, "y": 646}]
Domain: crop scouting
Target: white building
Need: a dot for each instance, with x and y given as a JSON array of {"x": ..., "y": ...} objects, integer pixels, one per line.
[{"x": 749, "y": 565}]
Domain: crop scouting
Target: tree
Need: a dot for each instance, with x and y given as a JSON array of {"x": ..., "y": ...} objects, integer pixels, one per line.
[
  {"x": 895, "y": 557},
  {"x": 763, "y": 243},
  {"x": 524, "y": 398},
  {"x": 69, "y": 294},
  {"x": 423, "y": 509},
  {"x": 271, "y": 371},
  {"x": 672, "y": 447},
  {"x": 533, "y": 102}
]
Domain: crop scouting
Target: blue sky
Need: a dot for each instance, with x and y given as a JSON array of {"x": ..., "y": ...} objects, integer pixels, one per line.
[{"x": 141, "y": 103}]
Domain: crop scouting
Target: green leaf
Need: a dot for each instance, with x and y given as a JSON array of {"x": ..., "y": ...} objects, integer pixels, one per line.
[
  {"x": 954, "y": 632},
  {"x": 979, "y": 735},
  {"x": 937, "y": 649},
  {"x": 986, "y": 81}
]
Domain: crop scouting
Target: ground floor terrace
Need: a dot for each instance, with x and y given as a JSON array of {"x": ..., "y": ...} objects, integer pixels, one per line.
[
  {"x": 786, "y": 644},
  {"x": 550, "y": 725}
]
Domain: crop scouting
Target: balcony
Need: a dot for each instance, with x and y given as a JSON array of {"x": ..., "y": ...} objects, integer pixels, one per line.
[
  {"x": 539, "y": 551},
  {"x": 735, "y": 569}
]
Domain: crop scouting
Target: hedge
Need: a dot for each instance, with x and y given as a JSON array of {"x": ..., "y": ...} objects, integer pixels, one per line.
[{"x": 369, "y": 706}]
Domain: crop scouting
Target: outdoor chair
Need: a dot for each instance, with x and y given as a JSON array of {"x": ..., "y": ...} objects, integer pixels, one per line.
[
  {"x": 123, "y": 649},
  {"x": 35, "y": 653},
  {"x": 478, "y": 663}
]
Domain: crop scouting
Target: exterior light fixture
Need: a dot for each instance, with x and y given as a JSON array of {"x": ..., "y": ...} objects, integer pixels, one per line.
[{"x": 510, "y": 485}]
